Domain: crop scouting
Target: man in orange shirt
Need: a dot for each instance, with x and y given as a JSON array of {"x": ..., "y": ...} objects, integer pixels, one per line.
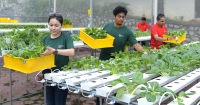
[
  {"x": 157, "y": 32},
  {"x": 142, "y": 25}
]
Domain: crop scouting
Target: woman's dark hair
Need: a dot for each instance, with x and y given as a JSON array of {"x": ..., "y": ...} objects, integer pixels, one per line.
[
  {"x": 120, "y": 9},
  {"x": 57, "y": 16},
  {"x": 160, "y": 16},
  {"x": 143, "y": 18}
]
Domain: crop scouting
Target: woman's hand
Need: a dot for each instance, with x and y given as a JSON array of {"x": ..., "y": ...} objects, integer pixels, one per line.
[{"x": 48, "y": 51}]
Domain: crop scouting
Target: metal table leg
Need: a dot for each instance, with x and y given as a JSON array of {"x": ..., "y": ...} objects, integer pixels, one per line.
[
  {"x": 78, "y": 51},
  {"x": 79, "y": 98},
  {"x": 0, "y": 57},
  {"x": 27, "y": 77},
  {"x": 45, "y": 102},
  {"x": 10, "y": 87},
  {"x": 95, "y": 53},
  {"x": 92, "y": 52},
  {"x": 100, "y": 100}
]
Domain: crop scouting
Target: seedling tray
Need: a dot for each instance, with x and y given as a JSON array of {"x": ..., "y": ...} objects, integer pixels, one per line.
[
  {"x": 96, "y": 43},
  {"x": 28, "y": 65}
]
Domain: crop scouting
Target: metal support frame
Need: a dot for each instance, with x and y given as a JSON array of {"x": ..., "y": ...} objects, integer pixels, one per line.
[
  {"x": 152, "y": 22},
  {"x": 54, "y": 6},
  {"x": 45, "y": 101},
  {"x": 155, "y": 10},
  {"x": 91, "y": 24},
  {"x": 10, "y": 87}
]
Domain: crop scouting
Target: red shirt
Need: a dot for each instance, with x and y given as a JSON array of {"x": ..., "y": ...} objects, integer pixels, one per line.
[
  {"x": 159, "y": 30},
  {"x": 143, "y": 27}
]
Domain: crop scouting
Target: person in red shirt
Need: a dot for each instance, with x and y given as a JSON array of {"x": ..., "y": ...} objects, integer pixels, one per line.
[
  {"x": 142, "y": 25},
  {"x": 157, "y": 32}
]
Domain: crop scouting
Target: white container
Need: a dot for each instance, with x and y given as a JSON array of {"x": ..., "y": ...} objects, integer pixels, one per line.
[
  {"x": 174, "y": 103},
  {"x": 108, "y": 90},
  {"x": 61, "y": 78},
  {"x": 138, "y": 91},
  {"x": 8, "y": 41},
  {"x": 4, "y": 52},
  {"x": 143, "y": 101},
  {"x": 162, "y": 80},
  {"x": 127, "y": 98},
  {"x": 89, "y": 86},
  {"x": 90, "y": 76}
]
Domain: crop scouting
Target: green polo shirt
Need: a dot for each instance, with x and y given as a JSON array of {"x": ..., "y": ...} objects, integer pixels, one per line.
[
  {"x": 122, "y": 35},
  {"x": 64, "y": 41}
]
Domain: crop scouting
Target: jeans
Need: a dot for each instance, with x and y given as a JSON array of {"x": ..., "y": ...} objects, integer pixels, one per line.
[{"x": 56, "y": 96}]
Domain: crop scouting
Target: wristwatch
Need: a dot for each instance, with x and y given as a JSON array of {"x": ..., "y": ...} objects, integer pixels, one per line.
[{"x": 55, "y": 52}]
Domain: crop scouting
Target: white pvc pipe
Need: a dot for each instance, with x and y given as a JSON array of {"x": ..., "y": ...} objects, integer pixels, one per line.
[
  {"x": 42, "y": 30},
  {"x": 152, "y": 12},
  {"x": 91, "y": 13},
  {"x": 23, "y": 23},
  {"x": 155, "y": 10},
  {"x": 54, "y": 6}
]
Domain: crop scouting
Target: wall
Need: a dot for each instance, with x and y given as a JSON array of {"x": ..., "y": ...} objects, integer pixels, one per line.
[
  {"x": 172, "y": 8},
  {"x": 141, "y": 7},
  {"x": 136, "y": 7},
  {"x": 193, "y": 31},
  {"x": 185, "y": 8},
  {"x": 81, "y": 20},
  {"x": 20, "y": 1}
]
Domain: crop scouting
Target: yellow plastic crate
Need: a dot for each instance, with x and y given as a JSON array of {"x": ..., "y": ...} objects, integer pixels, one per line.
[
  {"x": 28, "y": 65},
  {"x": 176, "y": 40},
  {"x": 13, "y": 21},
  {"x": 96, "y": 43},
  {"x": 89, "y": 12},
  {"x": 67, "y": 26},
  {"x": 126, "y": 48},
  {"x": 4, "y": 20}
]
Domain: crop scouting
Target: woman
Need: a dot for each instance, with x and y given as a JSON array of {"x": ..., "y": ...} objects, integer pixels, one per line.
[
  {"x": 157, "y": 32},
  {"x": 62, "y": 46}
]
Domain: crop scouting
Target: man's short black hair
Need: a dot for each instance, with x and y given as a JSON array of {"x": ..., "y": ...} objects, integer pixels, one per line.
[
  {"x": 120, "y": 9},
  {"x": 160, "y": 16},
  {"x": 143, "y": 18}
]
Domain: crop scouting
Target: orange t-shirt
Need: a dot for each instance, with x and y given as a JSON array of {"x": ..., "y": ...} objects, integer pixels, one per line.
[
  {"x": 143, "y": 27},
  {"x": 156, "y": 29}
]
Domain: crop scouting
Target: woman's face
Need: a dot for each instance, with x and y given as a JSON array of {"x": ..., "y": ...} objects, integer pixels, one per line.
[{"x": 54, "y": 26}]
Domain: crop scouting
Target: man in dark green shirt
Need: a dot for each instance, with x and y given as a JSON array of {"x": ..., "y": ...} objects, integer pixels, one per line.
[{"x": 121, "y": 33}]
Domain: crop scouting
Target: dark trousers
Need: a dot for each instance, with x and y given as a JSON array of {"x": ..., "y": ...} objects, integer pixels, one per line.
[
  {"x": 56, "y": 96},
  {"x": 98, "y": 103},
  {"x": 143, "y": 43}
]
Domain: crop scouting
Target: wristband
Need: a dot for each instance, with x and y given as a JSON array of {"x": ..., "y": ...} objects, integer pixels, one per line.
[
  {"x": 55, "y": 52},
  {"x": 145, "y": 53},
  {"x": 167, "y": 38}
]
